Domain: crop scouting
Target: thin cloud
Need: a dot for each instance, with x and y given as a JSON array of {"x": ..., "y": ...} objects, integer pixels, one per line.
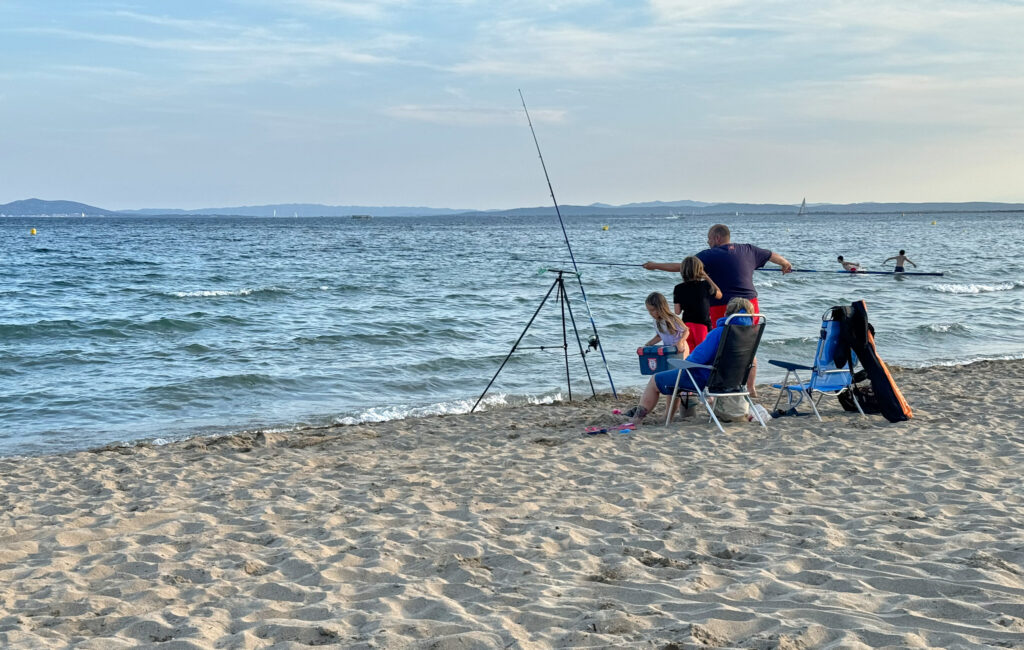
[
  {"x": 516, "y": 49},
  {"x": 470, "y": 116},
  {"x": 375, "y": 11}
]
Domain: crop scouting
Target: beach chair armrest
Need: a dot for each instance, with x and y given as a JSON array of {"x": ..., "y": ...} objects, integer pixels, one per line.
[
  {"x": 683, "y": 364},
  {"x": 789, "y": 366}
]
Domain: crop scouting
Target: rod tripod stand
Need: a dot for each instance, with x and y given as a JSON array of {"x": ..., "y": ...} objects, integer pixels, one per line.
[{"x": 563, "y": 301}]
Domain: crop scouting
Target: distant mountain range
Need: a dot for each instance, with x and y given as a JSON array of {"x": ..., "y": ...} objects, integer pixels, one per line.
[{"x": 34, "y": 207}]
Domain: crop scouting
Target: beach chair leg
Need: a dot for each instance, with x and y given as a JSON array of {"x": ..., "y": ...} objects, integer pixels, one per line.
[
  {"x": 671, "y": 404},
  {"x": 814, "y": 407},
  {"x": 753, "y": 409},
  {"x": 711, "y": 410},
  {"x": 672, "y": 397},
  {"x": 856, "y": 402},
  {"x": 784, "y": 389}
]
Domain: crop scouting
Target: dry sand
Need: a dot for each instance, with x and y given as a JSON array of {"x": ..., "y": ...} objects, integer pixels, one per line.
[{"x": 508, "y": 529}]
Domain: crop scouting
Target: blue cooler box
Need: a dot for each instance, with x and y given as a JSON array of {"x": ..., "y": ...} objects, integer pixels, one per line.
[{"x": 654, "y": 358}]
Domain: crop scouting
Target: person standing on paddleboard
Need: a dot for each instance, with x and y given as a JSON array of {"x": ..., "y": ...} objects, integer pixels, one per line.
[
  {"x": 901, "y": 261},
  {"x": 731, "y": 267}
]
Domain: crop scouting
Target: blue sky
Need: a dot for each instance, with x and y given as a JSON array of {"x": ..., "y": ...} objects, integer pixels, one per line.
[{"x": 402, "y": 102}]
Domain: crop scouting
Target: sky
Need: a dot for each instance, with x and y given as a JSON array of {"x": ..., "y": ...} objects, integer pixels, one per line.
[{"x": 214, "y": 103}]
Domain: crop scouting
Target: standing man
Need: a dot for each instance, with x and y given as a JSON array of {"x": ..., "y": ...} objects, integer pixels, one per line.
[{"x": 731, "y": 267}]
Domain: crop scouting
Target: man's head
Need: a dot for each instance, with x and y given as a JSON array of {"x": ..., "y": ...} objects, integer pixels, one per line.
[
  {"x": 903, "y": 252},
  {"x": 840, "y": 258},
  {"x": 718, "y": 234}
]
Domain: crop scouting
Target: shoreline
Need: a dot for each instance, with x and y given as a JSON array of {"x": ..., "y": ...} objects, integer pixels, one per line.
[
  {"x": 509, "y": 528},
  {"x": 626, "y": 394}
]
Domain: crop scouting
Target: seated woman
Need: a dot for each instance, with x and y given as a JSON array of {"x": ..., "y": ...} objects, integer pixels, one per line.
[{"x": 662, "y": 383}]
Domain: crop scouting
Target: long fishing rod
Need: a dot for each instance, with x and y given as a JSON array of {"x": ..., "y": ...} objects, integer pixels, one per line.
[
  {"x": 523, "y": 259},
  {"x": 590, "y": 314}
]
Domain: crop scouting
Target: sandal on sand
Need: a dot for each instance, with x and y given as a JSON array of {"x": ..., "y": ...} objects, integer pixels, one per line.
[{"x": 593, "y": 431}]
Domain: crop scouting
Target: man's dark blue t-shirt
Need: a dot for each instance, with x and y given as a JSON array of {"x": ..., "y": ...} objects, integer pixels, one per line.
[{"x": 732, "y": 266}]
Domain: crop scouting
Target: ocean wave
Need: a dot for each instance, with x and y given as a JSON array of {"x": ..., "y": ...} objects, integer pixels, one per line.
[
  {"x": 127, "y": 261},
  {"x": 116, "y": 328},
  {"x": 794, "y": 340},
  {"x": 946, "y": 363},
  {"x": 976, "y": 288},
  {"x": 942, "y": 328},
  {"x": 219, "y": 293},
  {"x": 17, "y": 331},
  {"x": 176, "y": 395},
  {"x": 452, "y": 407}
]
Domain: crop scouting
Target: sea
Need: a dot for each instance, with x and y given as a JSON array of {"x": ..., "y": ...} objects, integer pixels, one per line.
[{"x": 119, "y": 330}]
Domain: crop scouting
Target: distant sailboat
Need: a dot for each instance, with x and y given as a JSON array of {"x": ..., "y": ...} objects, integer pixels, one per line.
[{"x": 803, "y": 207}]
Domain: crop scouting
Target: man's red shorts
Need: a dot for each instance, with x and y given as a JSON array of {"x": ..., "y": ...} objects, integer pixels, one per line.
[
  {"x": 698, "y": 332},
  {"x": 717, "y": 311}
]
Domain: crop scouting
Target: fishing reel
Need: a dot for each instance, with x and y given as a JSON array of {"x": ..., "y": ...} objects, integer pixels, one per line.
[{"x": 592, "y": 343}]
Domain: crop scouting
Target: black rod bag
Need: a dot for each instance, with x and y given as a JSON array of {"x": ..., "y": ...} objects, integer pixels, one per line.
[{"x": 858, "y": 335}]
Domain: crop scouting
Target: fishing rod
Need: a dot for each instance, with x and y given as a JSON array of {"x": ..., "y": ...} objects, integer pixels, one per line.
[
  {"x": 558, "y": 212},
  {"x": 523, "y": 259},
  {"x": 859, "y": 272}
]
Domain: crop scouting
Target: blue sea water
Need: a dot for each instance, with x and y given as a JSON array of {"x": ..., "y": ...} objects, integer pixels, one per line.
[{"x": 124, "y": 329}]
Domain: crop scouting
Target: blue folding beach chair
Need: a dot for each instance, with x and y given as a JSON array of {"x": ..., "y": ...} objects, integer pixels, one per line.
[{"x": 825, "y": 378}]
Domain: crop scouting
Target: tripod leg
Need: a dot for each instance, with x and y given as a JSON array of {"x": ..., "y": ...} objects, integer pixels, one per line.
[
  {"x": 583, "y": 355},
  {"x": 562, "y": 300},
  {"x": 516, "y": 344}
]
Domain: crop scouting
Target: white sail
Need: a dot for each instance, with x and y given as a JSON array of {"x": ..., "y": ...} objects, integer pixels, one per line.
[{"x": 803, "y": 207}]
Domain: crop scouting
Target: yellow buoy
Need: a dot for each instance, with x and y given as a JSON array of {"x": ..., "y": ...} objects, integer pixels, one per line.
[
  {"x": 604, "y": 227},
  {"x": 933, "y": 223},
  {"x": 32, "y": 232}
]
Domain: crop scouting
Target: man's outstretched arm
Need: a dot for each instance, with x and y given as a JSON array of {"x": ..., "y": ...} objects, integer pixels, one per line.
[
  {"x": 781, "y": 261},
  {"x": 672, "y": 267}
]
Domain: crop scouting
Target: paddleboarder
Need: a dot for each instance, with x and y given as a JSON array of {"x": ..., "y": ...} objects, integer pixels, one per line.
[
  {"x": 901, "y": 261},
  {"x": 852, "y": 267}
]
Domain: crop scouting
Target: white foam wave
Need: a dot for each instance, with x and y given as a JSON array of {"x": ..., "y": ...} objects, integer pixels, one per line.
[
  {"x": 453, "y": 407},
  {"x": 944, "y": 327},
  {"x": 214, "y": 293},
  {"x": 211, "y": 294},
  {"x": 976, "y": 288},
  {"x": 961, "y": 362}
]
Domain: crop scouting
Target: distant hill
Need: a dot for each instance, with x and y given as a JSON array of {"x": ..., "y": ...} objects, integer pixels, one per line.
[
  {"x": 32, "y": 207},
  {"x": 709, "y": 209},
  {"x": 303, "y": 210}
]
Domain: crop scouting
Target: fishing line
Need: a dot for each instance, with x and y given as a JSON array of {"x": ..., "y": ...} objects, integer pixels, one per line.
[
  {"x": 572, "y": 257},
  {"x": 523, "y": 259}
]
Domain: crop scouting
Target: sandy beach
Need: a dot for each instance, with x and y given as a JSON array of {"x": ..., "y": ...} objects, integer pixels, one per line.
[{"x": 510, "y": 529}]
